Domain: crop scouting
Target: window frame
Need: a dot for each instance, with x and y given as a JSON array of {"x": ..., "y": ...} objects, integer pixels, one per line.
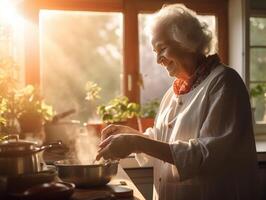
[
  {"x": 259, "y": 128},
  {"x": 130, "y": 10}
]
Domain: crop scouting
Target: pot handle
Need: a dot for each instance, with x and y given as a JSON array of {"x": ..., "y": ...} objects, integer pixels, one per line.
[{"x": 49, "y": 146}]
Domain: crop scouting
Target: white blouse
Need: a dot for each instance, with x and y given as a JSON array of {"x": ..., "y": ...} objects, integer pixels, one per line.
[{"x": 211, "y": 138}]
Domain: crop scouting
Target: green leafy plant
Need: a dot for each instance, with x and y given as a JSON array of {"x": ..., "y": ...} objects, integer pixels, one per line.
[
  {"x": 16, "y": 102},
  {"x": 8, "y": 85},
  {"x": 93, "y": 97},
  {"x": 257, "y": 98},
  {"x": 29, "y": 100},
  {"x": 31, "y": 109},
  {"x": 150, "y": 109},
  {"x": 92, "y": 91},
  {"x": 3, "y": 109},
  {"x": 118, "y": 109},
  {"x": 258, "y": 90}
]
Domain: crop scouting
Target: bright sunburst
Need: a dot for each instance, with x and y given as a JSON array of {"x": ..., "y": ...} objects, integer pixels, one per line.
[{"x": 8, "y": 13}]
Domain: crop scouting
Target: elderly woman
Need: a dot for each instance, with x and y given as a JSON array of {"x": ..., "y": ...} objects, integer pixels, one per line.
[{"x": 202, "y": 143}]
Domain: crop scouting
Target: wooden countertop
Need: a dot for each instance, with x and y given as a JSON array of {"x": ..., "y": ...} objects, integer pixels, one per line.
[{"x": 121, "y": 180}]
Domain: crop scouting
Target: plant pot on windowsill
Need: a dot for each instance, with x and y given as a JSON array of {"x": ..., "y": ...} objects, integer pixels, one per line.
[
  {"x": 119, "y": 111},
  {"x": 95, "y": 128},
  {"x": 30, "y": 122},
  {"x": 144, "y": 123},
  {"x": 148, "y": 114},
  {"x": 131, "y": 122}
]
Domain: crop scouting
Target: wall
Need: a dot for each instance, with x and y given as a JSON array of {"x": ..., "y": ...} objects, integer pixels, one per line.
[{"x": 237, "y": 36}]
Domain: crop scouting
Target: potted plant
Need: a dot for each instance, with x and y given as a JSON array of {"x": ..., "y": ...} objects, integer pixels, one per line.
[
  {"x": 257, "y": 94},
  {"x": 92, "y": 96},
  {"x": 119, "y": 111},
  {"x": 31, "y": 109},
  {"x": 147, "y": 114},
  {"x": 8, "y": 85}
]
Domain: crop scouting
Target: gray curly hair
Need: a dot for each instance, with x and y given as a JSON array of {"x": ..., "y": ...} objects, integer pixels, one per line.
[{"x": 184, "y": 27}]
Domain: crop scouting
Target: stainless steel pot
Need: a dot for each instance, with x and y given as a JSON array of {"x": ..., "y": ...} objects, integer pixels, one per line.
[
  {"x": 86, "y": 175},
  {"x": 65, "y": 131},
  {"x": 21, "y": 156}
]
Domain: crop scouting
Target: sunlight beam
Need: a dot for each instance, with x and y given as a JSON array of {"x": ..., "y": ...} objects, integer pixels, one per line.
[{"x": 8, "y": 13}]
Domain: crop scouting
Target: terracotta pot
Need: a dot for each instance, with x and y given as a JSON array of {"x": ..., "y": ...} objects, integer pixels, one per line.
[
  {"x": 30, "y": 122},
  {"x": 95, "y": 128},
  {"x": 133, "y": 123},
  {"x": 145, "y": 123}
]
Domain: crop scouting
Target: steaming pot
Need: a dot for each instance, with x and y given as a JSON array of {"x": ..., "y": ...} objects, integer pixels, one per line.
[
  {"x": 86, "y": 175},
  {"x": 21, "y": 156}
]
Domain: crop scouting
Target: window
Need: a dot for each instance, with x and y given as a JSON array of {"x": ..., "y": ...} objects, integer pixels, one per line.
[
  {"x": 109, "y": 31},
  {"x": 257, "y": 70},
  {"x": 12, "y": 39},
  {"x": 72, "y": 53}
]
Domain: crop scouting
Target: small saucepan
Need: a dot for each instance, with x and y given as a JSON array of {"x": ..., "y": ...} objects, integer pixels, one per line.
[
  {"x": 21, "y": 156},
  {"x": 86, "y": 175}
]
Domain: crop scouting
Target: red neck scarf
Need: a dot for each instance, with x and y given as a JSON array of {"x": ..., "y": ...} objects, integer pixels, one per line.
[{"x": 181, "y": 86}]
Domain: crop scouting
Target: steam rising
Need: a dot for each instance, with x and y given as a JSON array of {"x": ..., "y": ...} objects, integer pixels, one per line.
[{"x": 86, "y": 146}]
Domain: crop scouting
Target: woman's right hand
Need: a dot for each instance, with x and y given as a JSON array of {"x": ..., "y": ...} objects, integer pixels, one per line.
[{"x": 117, "y": 129}]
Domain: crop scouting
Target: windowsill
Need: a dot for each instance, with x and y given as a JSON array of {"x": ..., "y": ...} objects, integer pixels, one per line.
[
  {"x": 260, "y": 128},
  {"x": 260, "y": 137}
]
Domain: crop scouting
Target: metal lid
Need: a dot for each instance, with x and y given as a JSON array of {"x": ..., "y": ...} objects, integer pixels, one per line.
[{"x": 12, "y": 145}]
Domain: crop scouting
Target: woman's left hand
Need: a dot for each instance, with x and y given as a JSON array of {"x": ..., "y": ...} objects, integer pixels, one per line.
[{"x": 116, "y": 146}]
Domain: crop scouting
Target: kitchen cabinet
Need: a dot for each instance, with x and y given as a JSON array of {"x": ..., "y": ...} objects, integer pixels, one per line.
[
  {"x": 142, "y": 177},
  {"x": 262, "y": 173}
]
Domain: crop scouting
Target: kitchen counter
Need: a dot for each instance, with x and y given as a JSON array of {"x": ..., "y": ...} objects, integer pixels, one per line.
[
  {"x": 121, "y": 184},
  {"x": 120, "y": 180}
]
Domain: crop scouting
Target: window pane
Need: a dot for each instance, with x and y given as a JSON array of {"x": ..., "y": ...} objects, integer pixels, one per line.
[
  {"x": 258, "y": 64},
  {"x": 258, "y": 67},
  {"x": 258, "y": 101},
  {"x": 152, "y": 73},
  {"x": 77, "y": 47},
  {"x": 12, "y": 41},
  {"x": 155, "y": 79},
  {"x": 257, "y": 31}
]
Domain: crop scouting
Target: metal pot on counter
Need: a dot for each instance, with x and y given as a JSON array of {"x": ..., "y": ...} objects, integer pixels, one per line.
[
  {"x": 21, "y": 157},
  {"x": 86, "y": 175},
  {"x": 62, "y": 130}
]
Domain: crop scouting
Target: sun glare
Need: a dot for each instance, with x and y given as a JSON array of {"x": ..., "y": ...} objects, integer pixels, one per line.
[{"x": 8, "y": 13}]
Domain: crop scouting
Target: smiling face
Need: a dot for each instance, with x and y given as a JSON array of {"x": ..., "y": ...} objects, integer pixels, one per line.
[{"x": 170, "y": 54}]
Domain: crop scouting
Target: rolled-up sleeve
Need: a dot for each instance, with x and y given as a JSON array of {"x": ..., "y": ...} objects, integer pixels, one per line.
[{"x": 224, "y": 130}]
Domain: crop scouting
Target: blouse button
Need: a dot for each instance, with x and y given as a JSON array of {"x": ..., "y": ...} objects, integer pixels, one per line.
[
  {"x": 160, "y": 179},
  {"x": 170, "y": 126}
]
